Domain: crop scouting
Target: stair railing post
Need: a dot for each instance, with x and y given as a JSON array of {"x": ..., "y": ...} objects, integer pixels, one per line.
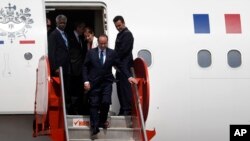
[
  {"x": 139, "y": 107},
  {"x": 63, "y": 104}
]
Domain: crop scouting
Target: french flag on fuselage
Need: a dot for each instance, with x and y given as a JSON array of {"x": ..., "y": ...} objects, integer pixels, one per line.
[
  {"x": 21, "y": 42},
  {"x": 202, "y": 23},
  {"x": 27, "y": 42},
  {"x": 233, "y": 23}
]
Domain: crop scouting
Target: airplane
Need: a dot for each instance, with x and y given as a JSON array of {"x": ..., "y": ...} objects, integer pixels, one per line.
[{"x": 196, "y": 54}]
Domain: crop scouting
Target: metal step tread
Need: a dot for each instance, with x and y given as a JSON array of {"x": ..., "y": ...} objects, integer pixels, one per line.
[
  {"x": 114, "y": 121},
  {"x": 120, "y": 129},
  {"x": 116, "y": 128},
  {"x": 101, "y": 140},
  {"x": 87, "y": 116},
  {"x": 110, "y": 133}
]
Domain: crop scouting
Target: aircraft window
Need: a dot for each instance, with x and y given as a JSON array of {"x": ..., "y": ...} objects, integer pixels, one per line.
[
  {"x": 146, "y": 55},
  {"x": 204, "y": 58},
  {"x": 234, "y": 58}
]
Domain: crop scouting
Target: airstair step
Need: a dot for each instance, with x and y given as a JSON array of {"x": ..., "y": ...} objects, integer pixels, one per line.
[
  {"x": 101, "y": 140},
  {"x": 110, "y": 133},
  {"x": 114, "y": 121}
]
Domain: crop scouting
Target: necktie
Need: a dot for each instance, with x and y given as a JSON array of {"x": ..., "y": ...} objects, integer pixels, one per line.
[
  {"x": 80, "y": 40},
  {"x": 101, "y": 57},
  {"x": 65, "y": 39},
  {"x": 89, "y": 45}
]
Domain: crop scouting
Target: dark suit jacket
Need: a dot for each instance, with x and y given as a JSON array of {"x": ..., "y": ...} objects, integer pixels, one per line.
[
  {"x": 58, "y": 53},
  {"x": 77, "y": 54},
  {"x": 96, "y": 73},
  {"x": 124, "y": 46}
]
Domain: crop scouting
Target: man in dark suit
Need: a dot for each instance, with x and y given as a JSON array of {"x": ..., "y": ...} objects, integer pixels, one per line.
[
  {"x": 58, "y": 52},
  {"x": 98, "y": 79},
  {"x": 124, "y": 46},
  {"x": 49, "y": 26},
  {"x": 78, "y": 50}
]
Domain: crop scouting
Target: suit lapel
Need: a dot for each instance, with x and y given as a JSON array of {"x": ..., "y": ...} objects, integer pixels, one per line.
[
  {"x": 96, "y": 56},
  {"x": 107, "y": 56},
  {"x": 61, "y": 38},
  {"x": 79, "y": 44}
]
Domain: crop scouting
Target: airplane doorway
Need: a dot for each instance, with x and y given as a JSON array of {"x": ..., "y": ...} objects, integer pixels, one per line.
[{"x": 92, "y": 14}]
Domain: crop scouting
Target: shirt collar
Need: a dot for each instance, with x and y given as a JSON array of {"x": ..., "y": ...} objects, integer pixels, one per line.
[
  {"x": 76, "y": 34},
  {"x": 61, "y": 31},
  {"x": 99, "y": 50},
  {"x": 125, "y": 28}
]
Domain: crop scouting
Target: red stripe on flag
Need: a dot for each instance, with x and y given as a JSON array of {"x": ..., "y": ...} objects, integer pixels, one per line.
[
  {"x": 27, "y": 41},
  {"x": 233, "y": 23}
]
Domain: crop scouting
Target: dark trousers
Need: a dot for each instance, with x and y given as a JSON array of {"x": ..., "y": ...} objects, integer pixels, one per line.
[
  {"x": 79, "y": 100},
  {"x": 99, "y": 101},
  {"x": 124, "y": 94},
  {"x": 67, "y": 95}
]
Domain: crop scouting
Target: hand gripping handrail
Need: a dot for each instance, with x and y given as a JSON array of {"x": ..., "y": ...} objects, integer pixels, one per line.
[
  {"x": 139, "y": 108},
  {"x": 141, "y": 94}
]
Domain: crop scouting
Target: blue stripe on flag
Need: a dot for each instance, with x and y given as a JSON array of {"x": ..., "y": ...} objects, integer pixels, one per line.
[{"x": 201, "y": 23}]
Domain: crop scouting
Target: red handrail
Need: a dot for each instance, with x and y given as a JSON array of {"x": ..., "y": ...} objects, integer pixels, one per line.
[
  {"x": 142, "y": 89},
  {"x": 40, "y": 124},
  {"x": 48, "y": 104},
  {"x": 141, "y": 73}
]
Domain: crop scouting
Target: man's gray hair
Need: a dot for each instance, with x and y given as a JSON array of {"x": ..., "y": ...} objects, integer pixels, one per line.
[{"x": 61, "y": 17}]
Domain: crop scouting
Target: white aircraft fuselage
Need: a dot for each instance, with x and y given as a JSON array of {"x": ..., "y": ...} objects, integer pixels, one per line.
[{"x": 198, "y": 56}]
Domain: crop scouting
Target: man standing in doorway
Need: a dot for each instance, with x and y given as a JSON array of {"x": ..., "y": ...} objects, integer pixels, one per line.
[
  {"x": 58, "y": 52},
  {"x": 49, "y": 26},
  {"x": 78, "y": 50},
  {"x": 124, "y": 46}
]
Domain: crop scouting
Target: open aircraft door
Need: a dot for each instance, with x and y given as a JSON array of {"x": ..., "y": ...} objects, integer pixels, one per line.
[{"x": 22, "y": 43}]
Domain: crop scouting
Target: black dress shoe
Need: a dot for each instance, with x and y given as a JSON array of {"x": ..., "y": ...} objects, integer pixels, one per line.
[
  {"x": 95, "y": 130},
  {"x": 121, "y": 113},
  {"x": 125, "y": 113},
  {"x": 104, "y": 125}
]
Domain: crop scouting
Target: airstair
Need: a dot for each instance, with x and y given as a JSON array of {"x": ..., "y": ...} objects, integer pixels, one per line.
[
  {"x": 51, "y": 119},
  {"x": 120, "y": 129}
]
